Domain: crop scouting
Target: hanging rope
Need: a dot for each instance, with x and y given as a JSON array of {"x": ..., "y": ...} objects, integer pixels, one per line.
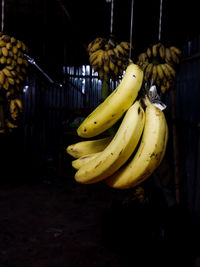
[
  {"x": 160, "y": 21},
  {"x": 131, "y": 28},
  {"x": 111, "y": 17},
  {"x": 2, "y": 15}
]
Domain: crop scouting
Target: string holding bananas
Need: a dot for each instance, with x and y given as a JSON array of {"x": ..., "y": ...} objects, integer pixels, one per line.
[
  {"x": 159, "y": 64},
  {"x": 13, "y": 65},
  {"x": 107, "y": 56},
  {"x": 137, "y": 148}
]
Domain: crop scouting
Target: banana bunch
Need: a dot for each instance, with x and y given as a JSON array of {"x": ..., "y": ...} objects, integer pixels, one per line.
[
  {"x": 13, "y": 65},
  {"x": 136, "y": 149},
  {"x": 158, "y": 64},
  {"x": 107, "y": 56}
]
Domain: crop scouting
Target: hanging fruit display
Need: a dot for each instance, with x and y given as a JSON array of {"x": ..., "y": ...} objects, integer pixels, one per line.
[
  {"x": 13, "y": 64},
  {"x": 135, "y": 150},
  {"x": 108, "y": 56},
  {"x": 159, "y": 65},
  {"x": 13, "y": 71}
]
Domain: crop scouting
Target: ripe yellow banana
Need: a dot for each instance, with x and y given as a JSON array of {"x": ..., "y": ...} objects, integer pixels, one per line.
[
  {"x": 119, "y": 149},
  {"x": 162, "y": 51},
  {"x": 171, "y": 69},
  {"x": 166, "y": 71},
  {"x": 148, "y": 72},
  {"x": 115, "y": 105},
  {"x": 176, "y": 50},
  {"x": 154, "y": 73},
  {"x": 160, "y": 72},
  {"x": 149, "y": 154},
  {"x": 83, "y": 148},
  {"x": 78, "y": 163},
  {"x": 149, "y": 53}
]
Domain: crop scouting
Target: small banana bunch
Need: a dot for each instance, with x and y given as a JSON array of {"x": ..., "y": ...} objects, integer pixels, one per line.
[
  {"x": 135, "y": 150},
  {"x": 13, "y": 65},
  {"x": 16, "y": 109},
  {"x": 159, "y": 63},
  {"x": 107, "y": 56}
]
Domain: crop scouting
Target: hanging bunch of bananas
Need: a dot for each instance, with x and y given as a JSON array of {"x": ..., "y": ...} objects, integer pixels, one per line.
[
  {"x": 136, "y": 149},
  {"x": 107, "y": 56},
  {"x": 15, "y": 112},
  {"x": 159, "y": 64},
  {"x": 13, "y": 64}
]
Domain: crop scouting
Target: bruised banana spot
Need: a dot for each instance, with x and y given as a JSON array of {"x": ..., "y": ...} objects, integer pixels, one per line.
[
  {"x": 139, "y": 110},
  {"x": 120, "y": 152},
  {"x": 98, "y": 164}
]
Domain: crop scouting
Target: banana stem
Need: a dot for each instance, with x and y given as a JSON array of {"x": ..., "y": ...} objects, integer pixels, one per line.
[
  {"x": 105, "y": 90},
  {"x": 146, "y": 100}
]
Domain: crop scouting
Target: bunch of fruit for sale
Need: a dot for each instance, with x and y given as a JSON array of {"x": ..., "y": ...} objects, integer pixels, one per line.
[
  {"x": 128, "y": 157},
  {"x": 108, "y": 56},
  {"x": 13, "y": 64},
  {"x": 13, "y": 71},
  {"x": 159, "y": 65}
]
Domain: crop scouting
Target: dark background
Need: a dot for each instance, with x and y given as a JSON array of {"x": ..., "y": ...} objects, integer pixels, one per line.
[{"x": 57, "y": 31}]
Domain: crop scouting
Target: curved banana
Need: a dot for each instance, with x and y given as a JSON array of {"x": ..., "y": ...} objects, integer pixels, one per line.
[
  {"x": 115, "y": 105},
  {"x": 119, "y": 149},
  {"x": 149, "y": 154},
  {"x": 78, "y": 163},
  {"x": 83, "y": 148}
]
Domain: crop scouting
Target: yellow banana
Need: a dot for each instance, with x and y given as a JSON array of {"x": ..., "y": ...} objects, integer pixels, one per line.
[
  {"x": 171, "y": 69},
  {"x": 119, "y": 149},
  {"x": 160, "y": 72},
  {"x": 148, "y": 72},
  {"x": 166, "y": 71},
  {"x": 2, "y": 77},
  {"x": 78, "y": 163},
  {"x": 174, "y": 57},
  {"x": 149, "y": 53},
  {"x": 142, "y": 57},
  {"x": 83, "y": 148},
  {"x": 7, "y": 72},
  {"x": 121, "y": 51},
  {"x": 168, "y": 56},
  {"x": 94, "y": 57},
  {"x": 5, "y": 51},
  {"x": 115, "y": 105},
  {"x": 154, "y": 50},
  {"x": 126, "y": 46},
  {"x": 97, "y": 44},
  {"x": 162, "y": 51},
  {"x": 176, "y": 50},
  {"x": 149, "y": 154},
  {"x": 154, "y": 73}
]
